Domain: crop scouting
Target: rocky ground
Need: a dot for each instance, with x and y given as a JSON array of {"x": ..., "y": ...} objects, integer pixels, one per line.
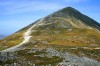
[{"x": 45, "y": 57}]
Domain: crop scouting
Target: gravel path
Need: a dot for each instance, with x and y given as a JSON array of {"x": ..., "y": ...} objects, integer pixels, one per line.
[{"x": 26, "y": 39}]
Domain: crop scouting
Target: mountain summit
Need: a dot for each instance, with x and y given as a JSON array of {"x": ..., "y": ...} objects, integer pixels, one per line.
[
  {"x": 68, "y": 18},
  {"x": 55, "y": 40}
]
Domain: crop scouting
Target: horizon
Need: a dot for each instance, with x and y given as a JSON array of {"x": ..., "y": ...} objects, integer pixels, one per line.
[{"x": 18, "y": 14}]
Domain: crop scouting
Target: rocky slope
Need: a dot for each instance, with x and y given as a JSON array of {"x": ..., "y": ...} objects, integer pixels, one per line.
[{"x": 66, "y": 37}]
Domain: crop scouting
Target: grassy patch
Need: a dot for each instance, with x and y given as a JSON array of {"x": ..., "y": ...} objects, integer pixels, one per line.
[
  {"x": 12, "y": 40},
  {"x": 7, "y": 62},
  {"x": 1, "y": 48},
  {"x": 80, "y": 51},
  {"x": 68, "y": 37},
  {"x": 36, "y": 59}
]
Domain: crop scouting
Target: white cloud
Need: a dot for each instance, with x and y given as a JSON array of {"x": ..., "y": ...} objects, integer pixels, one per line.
[{"x": 16, "y": 7}]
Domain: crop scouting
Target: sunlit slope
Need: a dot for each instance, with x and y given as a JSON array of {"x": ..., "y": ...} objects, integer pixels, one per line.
[{"x": 65, "y": 27}]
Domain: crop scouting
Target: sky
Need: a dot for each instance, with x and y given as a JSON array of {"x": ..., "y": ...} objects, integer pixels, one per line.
[{"x": 16, "y": 14}]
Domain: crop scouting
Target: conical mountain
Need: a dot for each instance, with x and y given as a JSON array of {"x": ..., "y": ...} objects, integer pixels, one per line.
[
  {"x": 51, "y": 39},
  {"x": 66, "y": 19},
  {"x": 79, "y": 19}
]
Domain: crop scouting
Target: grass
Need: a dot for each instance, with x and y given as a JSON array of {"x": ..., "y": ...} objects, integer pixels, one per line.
[
  {"x": 65, "y": 40},
  {"x": 60, "y": 39},
  {"x": 2, "y": 48},
  {"x": 76, "y": 37},
  {"x": 7, "y": 62},
  {"x": 36, "y": 59},
  {"x": 80, "y": 51},
  {"x": 12, "y": 40}
]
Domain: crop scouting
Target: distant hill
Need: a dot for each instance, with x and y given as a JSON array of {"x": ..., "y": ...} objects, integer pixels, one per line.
[{"x": 2, "y": 36}]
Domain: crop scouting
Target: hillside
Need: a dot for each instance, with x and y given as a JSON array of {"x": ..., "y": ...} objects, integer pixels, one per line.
[{"x": 56, "y": 39}]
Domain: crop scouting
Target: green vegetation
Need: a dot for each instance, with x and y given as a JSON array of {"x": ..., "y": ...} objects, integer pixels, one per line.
[
  {"x": 81, "y": 51},
  {"x": 7, "y": 62},
  {"x": 2, "y": 47},
  {"x": 90, "y": 52},
  {"x": 64, "y": 39},
  {"x": 66, "y": 30},
  {"x": 12, "y": 40},
  {"x": 35, "y": 58},
  {"x": 68, "y": 37}
]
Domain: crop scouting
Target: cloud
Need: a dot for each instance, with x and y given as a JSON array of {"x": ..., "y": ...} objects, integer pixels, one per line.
[
  {"x": 20, "y": 6},
  {"x": 11, "y": 7}
]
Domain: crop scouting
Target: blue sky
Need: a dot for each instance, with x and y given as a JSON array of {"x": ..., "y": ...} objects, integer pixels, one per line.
[{"x": 16, "y": 14}]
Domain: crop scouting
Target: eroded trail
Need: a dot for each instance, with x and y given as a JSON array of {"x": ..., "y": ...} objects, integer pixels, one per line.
[{"x": 26, "y": 37}]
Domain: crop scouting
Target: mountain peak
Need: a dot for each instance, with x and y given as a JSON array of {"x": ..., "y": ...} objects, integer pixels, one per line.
[
  {"x": 69, "y": 10},
  {"x": 68, "y": 17}
]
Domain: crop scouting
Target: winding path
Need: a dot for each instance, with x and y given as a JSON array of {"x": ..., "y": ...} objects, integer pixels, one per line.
[{"x": 26, "y": 39}]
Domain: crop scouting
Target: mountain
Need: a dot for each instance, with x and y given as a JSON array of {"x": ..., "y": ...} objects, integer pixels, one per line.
[
  {"x": 56, "y": 40},
  {"x": 70, "y": 18}
]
